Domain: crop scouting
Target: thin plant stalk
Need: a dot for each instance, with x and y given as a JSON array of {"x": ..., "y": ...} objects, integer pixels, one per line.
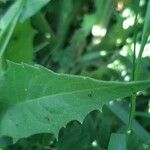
[{"x": 133, "y": 96}]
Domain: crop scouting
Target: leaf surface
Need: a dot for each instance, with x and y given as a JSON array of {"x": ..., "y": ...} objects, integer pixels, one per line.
[
  {"x": 36, "y": 100},
  {"x": 20, "y": 47},
  {"x": 20, "y": 10},
  {"x": 146, "y": 29},
  {"x": 117, "y": 142},
  {"x": 31, "y": 7},
  {"x": 8, "y": 23}
]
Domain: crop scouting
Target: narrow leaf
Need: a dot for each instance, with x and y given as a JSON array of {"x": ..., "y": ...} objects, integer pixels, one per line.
[
  {"x": 8, "y": 23},
  {"x": 145, "y": 35},
  {"x": 20, "y": 10},
  {"x": 146, "y": 29},
  {"x": 31, "y": 7}
]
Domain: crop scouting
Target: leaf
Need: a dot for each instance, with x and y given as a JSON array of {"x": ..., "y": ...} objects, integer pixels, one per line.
[
  {"x": 100, "y": 17},
  {"x": 8, "y": 23},
  {"x": 66, "y": 15},
  {"x": 35, "y": 100},
  {"x": 21, "y": 9},
  {"x": 31, "y": 7},
  {"x": 5, "y": 141},
  {"x": 124, "y": 117},
  {"x": 35, "y": 142},
  {"x": 20, "y": 48},
  {"x": 145, "y": 35},
  {"x": 146, "y": 29},
  {"x": 71, "y": 135},
  {"x": 117, "y": 142}
]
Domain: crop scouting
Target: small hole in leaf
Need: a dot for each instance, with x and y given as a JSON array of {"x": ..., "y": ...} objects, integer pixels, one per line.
[{"x": 89, "y": 95}]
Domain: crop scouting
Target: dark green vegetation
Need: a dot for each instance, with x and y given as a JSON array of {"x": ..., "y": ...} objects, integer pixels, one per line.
[{"x": 98, "y": 96}]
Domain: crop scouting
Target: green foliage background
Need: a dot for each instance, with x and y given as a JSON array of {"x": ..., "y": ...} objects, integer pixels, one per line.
[{"x": 87, "y": 38}]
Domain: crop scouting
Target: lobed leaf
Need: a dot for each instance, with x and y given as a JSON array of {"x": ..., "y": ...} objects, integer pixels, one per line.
[{"x": 35, "y": 100}]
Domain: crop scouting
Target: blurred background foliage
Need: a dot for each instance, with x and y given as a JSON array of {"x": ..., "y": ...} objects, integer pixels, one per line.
[{"x": 92, "y": 38}]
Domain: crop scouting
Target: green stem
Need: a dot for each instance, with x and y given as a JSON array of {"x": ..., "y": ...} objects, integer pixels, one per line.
[
  {"x": 133, "y": 97},
  {"x": 42, "y": 25},
  {"x": 132, "y": 112}
]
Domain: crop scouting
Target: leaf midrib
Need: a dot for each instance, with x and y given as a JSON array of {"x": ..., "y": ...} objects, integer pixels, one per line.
[{"x": 77, "y": 91}]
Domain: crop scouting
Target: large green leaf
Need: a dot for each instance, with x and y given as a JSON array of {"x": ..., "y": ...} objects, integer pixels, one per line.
[{"x": 34, "y": 99}]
